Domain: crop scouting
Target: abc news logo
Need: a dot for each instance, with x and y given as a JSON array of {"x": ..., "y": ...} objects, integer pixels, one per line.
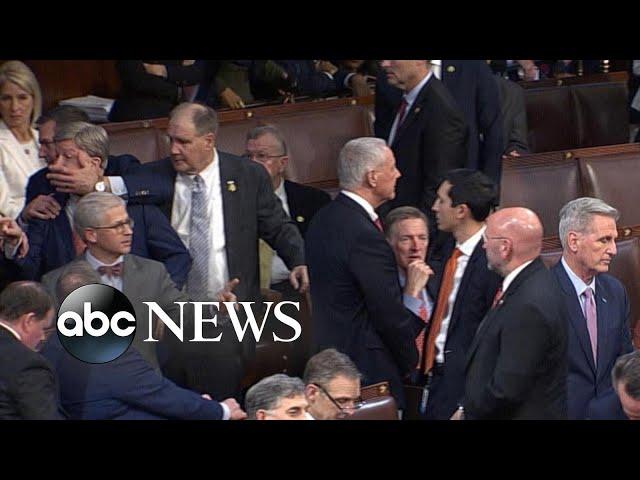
[{"x": 97, "y": 323}]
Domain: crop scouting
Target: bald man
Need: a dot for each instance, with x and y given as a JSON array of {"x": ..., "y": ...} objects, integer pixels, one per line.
[{"x": 517, "y": 363}]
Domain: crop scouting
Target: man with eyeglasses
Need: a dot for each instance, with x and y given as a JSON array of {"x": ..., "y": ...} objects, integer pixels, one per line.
[
  {"x": 516, "y": 367},
  {"x": 54, "y": 243},
  {"x": 278, "y": 397},
  {"x": 332, "y": 385}
]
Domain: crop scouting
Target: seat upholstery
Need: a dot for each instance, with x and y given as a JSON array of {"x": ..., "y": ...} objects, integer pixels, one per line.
[
  {"x": 551, "y": 119},
  {"x": 377, "y": 408}
]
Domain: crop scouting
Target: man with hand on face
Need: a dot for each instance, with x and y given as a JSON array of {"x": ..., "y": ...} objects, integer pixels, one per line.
[
  {"x": 28, "y": 386},
  {"x": 53, "y": 243},
  {"x": 598, "y": 307}
]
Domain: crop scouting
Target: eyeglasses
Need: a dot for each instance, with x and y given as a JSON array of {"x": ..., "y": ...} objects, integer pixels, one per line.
[
  {"x": 342, "y": 404},
  {"x": 118, "y": 227},
  {"x": 261, "y": 157}
]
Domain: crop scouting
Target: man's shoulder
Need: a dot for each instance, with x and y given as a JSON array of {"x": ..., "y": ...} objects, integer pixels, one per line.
[
  {"x": 22, "y": 357},
  {"x": 612, "y": 285},
  {"x": 306, "y": 191},
  {"x": 147, "y": 266}
]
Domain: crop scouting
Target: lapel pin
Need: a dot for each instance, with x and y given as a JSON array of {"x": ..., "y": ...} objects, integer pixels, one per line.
[
  {"x": 416, "y": 110},
  {"x": 451, "y": 69},
  {"x": 231, "y": 185},
  {"x": 299, "y": 219},
  {"x": 604, "y": 299}
]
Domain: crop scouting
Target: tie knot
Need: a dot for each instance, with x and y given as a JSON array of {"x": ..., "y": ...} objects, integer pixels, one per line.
[
  {"x": 198, "y": 184},
  {"x": 588, "y": 293},
  {"x": 456, "y": 253}
]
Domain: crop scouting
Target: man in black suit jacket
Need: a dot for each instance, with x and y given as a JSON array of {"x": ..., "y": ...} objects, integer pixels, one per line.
[
  {"x": 241, "y": 208},
  {"x": 517, "y": 363},
  {"x": 355, "y": 292},
  {"x": 465, "y": 199},
  {"x": 428, "y": 135},
  {"x": 28, "y": 386},
  {"x": 471, "y": 84}
]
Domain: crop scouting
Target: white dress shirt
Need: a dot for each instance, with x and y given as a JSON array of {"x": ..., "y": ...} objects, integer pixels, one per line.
[
  {"x": 410, "y": 98},
  {"x": 181, "y": 221},
  {"x": 15, "y": 334},
  {"x": 279, "y": 271},
  {"x": 467, "y": 248},
  {"x": 512, "y": 276},
  {"x": 436, "y": 68},
  {"x": 363, "y": 203}
]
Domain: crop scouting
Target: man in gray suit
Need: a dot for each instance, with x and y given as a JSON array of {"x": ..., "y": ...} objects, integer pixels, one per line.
[{"x": 101, "y": 220}]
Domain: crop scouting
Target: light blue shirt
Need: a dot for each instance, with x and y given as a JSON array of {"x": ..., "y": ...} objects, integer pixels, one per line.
[
  {"x": 412, "y": 303},
  {"x": 579, "y": 285}
]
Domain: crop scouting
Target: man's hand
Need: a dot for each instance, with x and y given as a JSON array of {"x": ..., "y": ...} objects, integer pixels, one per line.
[
  {"x": 418, "y": 274},
  {"x": 13, "y": 235},
  {"x": 458, "y": 415},
  {"x": 326, "y": 66},
  {"x": 299, "y": 278},
  {"x": 231, "y": 99},
  {"x": 79, "y": 181},
  {"x": 234, "y": 409},
  {"x": 511, "y": 154},
  {"x": 155, "y": 69},
  {"x": 227, "y": 295},
  {"x": 43, "y": 207},
  {"x": 206, "y": 396}
]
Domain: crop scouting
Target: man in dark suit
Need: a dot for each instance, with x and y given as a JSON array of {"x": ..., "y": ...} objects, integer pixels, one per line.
[
  {"x": 127, "y": 388},
  {"x": 53, "y": 242},
  {"x": 28, "y": 386},
  {"x": 514, "y": 117},
  {"x": 471, "y": 84},
  {"x": 428, "y": 134},
  {"x": 626, "y": 381},
  {"x": 220, "y": 205},
  {"x": 356, "y": 296},
  {"x": 463, "y": 295},
  {"x": 517, "y": 363},
  {"x": 598, "y": 307}
]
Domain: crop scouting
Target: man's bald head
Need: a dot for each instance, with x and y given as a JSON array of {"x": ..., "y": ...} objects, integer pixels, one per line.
[{"x": 513, "y": 237}]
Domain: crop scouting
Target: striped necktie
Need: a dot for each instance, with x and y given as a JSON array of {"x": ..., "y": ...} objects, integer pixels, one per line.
[{"x": 198, "y": 279}]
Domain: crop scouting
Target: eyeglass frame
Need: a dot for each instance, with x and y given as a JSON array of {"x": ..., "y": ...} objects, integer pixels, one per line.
[
  {"x": 119, "y": 227},
  {"x": 356, "y": 404},
  {"x": 486, "y": 237},
  {"x": 262, "y": 156}
]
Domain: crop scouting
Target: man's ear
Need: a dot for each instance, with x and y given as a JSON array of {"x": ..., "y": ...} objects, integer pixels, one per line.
[
  {"x": 284, "y": 162},
  {"x": 260, "y": 415},
  {"x": 210, "y": 141},
  {"x": 27, "y": 321},
  {"x": 572, "y": 241},
  {"x": 310, "y": 391},
  {"x": 371, "y": 178},
  {"x": 90, "y": 235}
]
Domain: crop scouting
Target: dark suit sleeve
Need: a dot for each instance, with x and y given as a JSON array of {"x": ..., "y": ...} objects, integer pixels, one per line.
[
  {"x": 30, "y": 266},
  {"x": 373, "y": 266},
  {"x": 517, "y": 129},
  {"x": 35, "y": 393},
  {"x": 308, "y": 80},
  {"x": 274, "y": 226},
  {"x": 184, "y": 74},
  {"x": 523, "y": 349},
  {"x": 135, "y": 78},
  {"x": 151, "y": 183},
  {"x": 489, "y": 123},
  {"x": 165, "y": 245},
  {"x": 149, "y": 391},
  {"x": 386, "y": 100}
]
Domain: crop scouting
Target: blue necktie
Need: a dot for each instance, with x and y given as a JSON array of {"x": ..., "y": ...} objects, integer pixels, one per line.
[{"x": 198, "y": 279}]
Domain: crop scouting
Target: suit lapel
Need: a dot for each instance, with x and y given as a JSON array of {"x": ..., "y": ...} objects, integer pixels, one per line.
[
  {"x": 464, "y": 283},
  {"x": 229, "y": 184},
  {"x": 603, "y": 312},
  {"x": 128, "y": 273},
  {"x": 411, "y": 115},
  {"x": 576, "y": 315}
]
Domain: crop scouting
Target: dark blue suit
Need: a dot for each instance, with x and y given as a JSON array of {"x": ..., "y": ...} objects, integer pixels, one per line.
[
  {"x": 475, "y": 295},
  {"x": 127, "y": 388},
  {"x": 356, "y": 296},
  {"x": 473, "y": 87},
  {"x": 590, "y": 393}
]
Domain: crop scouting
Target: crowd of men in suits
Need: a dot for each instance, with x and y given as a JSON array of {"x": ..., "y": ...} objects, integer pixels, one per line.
[{"x": 415, "y": 278}]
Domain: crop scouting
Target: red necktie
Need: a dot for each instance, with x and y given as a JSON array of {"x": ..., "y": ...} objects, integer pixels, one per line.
[
  {"x": 111, "y": 270},
  {"x": 378, "y": 224},
  {"x": 401, "y": 112},
  {"x": 497, "y": 298},
  {"x": 441, "y": 307}
]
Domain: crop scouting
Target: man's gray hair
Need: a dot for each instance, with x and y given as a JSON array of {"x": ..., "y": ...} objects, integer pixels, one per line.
[
  {"x": 627, "y": 371},
  {"x": 403, "y": 213},
  {"x": 91, "y": 209},
  {"x": 260, "y": 130},
  {"x": 327, "y": 365},
  {"x": 577, "y": 215},
  {"x": 267, "y": 393},
  {"x": 357, "y": 158},
  {"x": 92, "y": 139},
  {"x": 76, "y": 275},
  {"x": 204, "y": 118}
]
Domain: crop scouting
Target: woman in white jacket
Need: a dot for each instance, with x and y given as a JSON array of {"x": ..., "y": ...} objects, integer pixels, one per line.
[{"x": 20, "y": 106}]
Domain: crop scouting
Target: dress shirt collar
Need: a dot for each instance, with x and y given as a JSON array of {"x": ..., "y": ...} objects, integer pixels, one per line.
[
  {"x": 469, "y": 245},
  {"x": 208, "y": 174},
  {"x": 412, "y": 94},
  {"x": 15, "y": 334},
  {"x": 95, "y": 263},
  {"x": 577, "y": 282},
  {"x": 363, "y": 203},
  {"x": 512, "y": 276}
]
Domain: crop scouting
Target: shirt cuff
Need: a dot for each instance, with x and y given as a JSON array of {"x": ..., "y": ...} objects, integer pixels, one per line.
[
  {"x": 412, "y": 303},
  {"x": 328, "y": 75},
  {"x": 117, "y": 186},
  {"x": 226, "y": 413},
  {"x": 9, "y": 251}
]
